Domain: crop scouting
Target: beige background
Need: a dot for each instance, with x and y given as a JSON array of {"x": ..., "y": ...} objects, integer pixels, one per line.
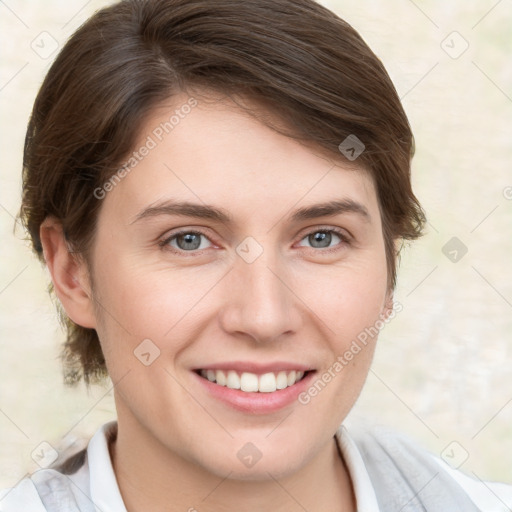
[{"x": 442, "y": 369}]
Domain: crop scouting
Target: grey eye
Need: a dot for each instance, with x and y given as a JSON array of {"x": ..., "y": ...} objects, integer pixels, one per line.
[
  {"x": 321, "y": 239},
  {"x": 188, "y": 241}
]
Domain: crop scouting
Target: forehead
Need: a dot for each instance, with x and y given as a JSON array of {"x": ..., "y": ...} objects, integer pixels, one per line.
[{"x": 210, "y": 150}]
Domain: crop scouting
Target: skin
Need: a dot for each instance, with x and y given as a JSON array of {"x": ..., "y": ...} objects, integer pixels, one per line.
[{"x": 177, "y": 445}]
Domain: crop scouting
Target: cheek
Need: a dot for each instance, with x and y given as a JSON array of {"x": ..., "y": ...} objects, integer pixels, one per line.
[
  {"x": 350, "y": 302},
  {"x": 347, "y": 298},
  {"x": 137, "y": 303},
  {"x": 351, "y": 315}
]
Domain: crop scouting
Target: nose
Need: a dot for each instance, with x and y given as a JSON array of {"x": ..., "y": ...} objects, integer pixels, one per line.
[{"x": 260, "y": 301}]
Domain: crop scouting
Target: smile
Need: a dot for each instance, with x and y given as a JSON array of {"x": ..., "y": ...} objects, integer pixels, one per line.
[{"x": 251, "y": 382}]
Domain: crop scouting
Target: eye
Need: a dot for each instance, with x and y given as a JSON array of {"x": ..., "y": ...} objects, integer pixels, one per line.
[
  {"x": 186, "y": 241},
  {"x": 322, "y": 238}
]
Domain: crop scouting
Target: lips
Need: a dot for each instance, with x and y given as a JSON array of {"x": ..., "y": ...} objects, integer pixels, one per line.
[
  {"x": 259, "y": 396},
  {"x": 251, "y": 377}
]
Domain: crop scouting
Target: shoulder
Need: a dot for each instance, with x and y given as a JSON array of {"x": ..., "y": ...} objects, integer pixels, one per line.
[
  {"x": 395, "y": 461},
  {"x": 489, "y": 496},
  {"x": 63, "y": 486},
  {"x": 23, "y": 496},
  {"x": 73, "y": 483},
  {"x": 50, "y": 489}
]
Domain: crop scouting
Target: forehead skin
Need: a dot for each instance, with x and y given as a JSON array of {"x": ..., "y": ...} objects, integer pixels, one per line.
[{"x": 217, "y": 154}]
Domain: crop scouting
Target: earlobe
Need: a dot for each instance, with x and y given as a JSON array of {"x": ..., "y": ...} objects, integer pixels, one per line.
[{"x": 69, "y": 274}]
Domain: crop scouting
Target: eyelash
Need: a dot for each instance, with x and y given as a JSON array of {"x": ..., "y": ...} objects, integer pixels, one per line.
[{"x": 165, "y": 244}]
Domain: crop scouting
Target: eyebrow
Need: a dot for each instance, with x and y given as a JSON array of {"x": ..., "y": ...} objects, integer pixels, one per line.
[
  {"x": 205, "y": 211},
  {"x": 186, "y": 209},
  {"x": 330, "y": 209}
]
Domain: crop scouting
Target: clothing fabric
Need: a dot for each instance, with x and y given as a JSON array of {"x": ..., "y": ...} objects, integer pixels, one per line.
[{"x": 389, "y": 472}]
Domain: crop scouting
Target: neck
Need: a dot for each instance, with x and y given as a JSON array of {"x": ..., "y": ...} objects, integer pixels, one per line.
[{"x": 151, "y": 477}]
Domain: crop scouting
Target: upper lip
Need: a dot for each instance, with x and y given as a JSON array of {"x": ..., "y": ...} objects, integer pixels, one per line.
[{"x": 257, "y": 368}]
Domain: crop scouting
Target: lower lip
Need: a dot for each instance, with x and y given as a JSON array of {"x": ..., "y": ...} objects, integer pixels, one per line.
[{"x": 256, "y": 402}]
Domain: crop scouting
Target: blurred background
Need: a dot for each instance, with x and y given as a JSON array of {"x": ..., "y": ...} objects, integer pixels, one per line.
[{"x": 442, "y": 370}]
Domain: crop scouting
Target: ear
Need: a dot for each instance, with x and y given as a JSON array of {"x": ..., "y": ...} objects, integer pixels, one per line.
[{"x": 69, "y": 274}]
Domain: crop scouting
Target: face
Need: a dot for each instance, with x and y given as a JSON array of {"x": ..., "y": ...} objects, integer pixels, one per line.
[{"x": 212, "y": 252}]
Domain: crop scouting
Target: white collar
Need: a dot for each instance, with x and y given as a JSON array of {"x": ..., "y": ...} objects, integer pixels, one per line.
[
  {"x": 105, "y": 493},
  {"x": 366, "y": 500}
]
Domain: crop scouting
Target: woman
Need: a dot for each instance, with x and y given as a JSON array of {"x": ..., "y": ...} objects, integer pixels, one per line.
[{"x": 219, "y": 191}]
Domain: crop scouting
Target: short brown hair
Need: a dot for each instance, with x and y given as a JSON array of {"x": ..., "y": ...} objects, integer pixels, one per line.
[{"x": 308, "y": 67}]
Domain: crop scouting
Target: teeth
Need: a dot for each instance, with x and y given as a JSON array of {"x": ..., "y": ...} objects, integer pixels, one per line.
[
  {"x": 292, "y": 376},
  {"x": 267, "y": 383},
  {"x": 233, "y": 380},
  {"x": 250, "y": 382},
  {"x": 220, "y": 377},
  {"x": 282, "y": 380}
]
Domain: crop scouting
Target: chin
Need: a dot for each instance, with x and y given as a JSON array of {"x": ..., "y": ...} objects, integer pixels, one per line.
[
  {"x": 250, "y": 464},
  {"x": 258, "y": 473}
]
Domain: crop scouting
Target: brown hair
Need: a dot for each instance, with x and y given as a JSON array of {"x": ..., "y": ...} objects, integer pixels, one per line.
[{"x": 306, "y": 65}]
